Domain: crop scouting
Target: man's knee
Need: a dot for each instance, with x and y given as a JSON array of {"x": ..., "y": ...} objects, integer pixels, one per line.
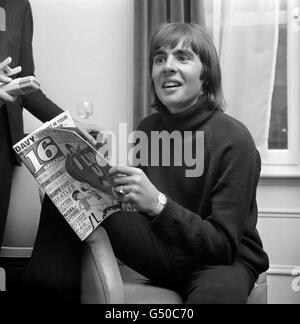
[
  {"x": 220, "y": 296},
  {"x": 219, "y": 285}
]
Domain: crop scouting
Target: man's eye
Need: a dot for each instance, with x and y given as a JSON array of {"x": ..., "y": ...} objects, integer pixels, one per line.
[
  {"x": 183, "y": 58},
  {"x": 159, "y": 60}
]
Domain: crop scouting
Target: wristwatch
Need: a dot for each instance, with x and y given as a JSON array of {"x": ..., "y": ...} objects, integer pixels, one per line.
[
  {"x": 161, "y": 202},
  {"x": 162, "y": 199}
]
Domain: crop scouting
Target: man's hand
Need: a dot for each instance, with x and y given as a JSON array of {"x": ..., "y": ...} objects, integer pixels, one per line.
[
  {"x": 137, "y": 189},
  {"x": 94, "y": 134},
  {"x": 5, "y": 73},
  {"x": 5, "y": 96},
  {"x": 5, "y": 69}
]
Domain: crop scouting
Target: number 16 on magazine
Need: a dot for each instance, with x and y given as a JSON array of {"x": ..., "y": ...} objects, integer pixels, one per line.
[{"x": 46, "y": 151}]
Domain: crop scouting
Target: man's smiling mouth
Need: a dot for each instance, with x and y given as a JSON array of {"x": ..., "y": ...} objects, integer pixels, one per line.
[{"x": 171, "y": 84}]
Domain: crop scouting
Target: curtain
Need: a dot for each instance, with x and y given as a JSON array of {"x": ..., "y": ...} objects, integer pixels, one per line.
[
  {"x": 148, "y": 15},
  {"x": 246, "y": 35}
]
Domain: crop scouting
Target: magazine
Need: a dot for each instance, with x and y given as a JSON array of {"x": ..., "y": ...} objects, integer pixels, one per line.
[{"x": 72, "y": 173}]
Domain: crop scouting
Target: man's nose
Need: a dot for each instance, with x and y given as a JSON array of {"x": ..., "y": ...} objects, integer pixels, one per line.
[{"x": 169, "y": 66}]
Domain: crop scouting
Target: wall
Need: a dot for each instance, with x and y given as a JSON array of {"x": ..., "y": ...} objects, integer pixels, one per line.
[
  {"x": 83, "y": 51},
  {"x": 279, "y": 226}
]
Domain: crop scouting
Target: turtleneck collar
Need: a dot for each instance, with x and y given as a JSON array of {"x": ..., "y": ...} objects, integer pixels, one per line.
[{"x": 194, "y": 118}]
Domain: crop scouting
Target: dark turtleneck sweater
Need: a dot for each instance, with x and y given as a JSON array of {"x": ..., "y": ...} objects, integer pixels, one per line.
[{"x": 212, "y": 216}]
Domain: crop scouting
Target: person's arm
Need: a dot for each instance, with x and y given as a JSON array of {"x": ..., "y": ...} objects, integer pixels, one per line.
[{"x": 217, "y": 238}]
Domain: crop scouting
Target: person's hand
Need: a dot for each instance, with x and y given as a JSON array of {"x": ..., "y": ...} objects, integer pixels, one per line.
[
  {"x": 136, "y": 188},
  {"x": 5, "y": 97},
  {"x": 5, "y": 73},
  {"x": 6, "y": 70},
  {"x": 94, "y": 134}
]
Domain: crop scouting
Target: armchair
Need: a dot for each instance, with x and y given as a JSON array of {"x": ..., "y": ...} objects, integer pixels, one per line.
[{"x": 107, "y": 281}]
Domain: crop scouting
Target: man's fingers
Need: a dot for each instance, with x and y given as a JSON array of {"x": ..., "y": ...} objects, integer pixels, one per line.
[
  {"x": 9, "y": 71},
  {"x": 89, "y": 137},
  {"x": 5, "y": 79},
  {"x": 104, "y": 136},
  {"x": 122, "y": 180},
  {"x": 124, "y": 170},
  {"x": 4, "y": 63},
  {"x": 6, "y": 97}
]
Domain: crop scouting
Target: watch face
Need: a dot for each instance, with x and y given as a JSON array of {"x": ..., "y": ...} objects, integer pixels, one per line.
[{"x": 162, "y": 199}]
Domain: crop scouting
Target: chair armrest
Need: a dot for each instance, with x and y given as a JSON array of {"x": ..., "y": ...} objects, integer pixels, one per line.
[
  {"x": 101, "y": 282},
  {"x": 259, "y": 294}
]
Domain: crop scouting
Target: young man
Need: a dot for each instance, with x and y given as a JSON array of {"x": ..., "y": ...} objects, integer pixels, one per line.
[{"x": 196, "y": 234}]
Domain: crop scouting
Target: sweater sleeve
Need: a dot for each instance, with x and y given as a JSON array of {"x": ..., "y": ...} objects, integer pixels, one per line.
[{"x": 216, "y": 238}]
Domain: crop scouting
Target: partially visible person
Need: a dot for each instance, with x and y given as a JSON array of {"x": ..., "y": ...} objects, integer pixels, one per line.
[
  {"x": 16, "y": 59},
  {"x": 16, "y": 50}
]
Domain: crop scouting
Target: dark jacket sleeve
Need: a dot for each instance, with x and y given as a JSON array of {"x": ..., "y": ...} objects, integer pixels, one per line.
[
  {"x": 216, "y": 238},
  {"x": 36, "y": 102}
]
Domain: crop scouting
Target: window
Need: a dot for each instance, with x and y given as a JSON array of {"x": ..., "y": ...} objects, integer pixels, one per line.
[{"x": 282, "y": 157}]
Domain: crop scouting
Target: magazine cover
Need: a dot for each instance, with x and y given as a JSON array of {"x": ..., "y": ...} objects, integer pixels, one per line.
[{"x": 72, "y": 173}]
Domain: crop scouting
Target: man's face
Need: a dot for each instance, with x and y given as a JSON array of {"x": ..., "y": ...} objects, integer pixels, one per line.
[{"x": 176, "y": 77}]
